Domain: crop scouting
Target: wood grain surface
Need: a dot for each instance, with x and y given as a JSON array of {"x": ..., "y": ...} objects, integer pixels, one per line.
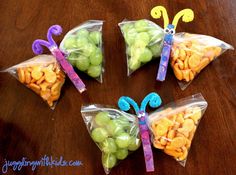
[{"x": 29, "y": 128}]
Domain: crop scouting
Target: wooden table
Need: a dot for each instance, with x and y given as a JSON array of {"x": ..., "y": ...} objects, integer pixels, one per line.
[{"x": 28, "y": 128}]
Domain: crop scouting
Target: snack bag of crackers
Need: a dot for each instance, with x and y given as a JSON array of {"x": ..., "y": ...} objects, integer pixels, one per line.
[
  {"x": 115, "y": 132},
  {"x": 174, "y": 125},
  {"x": 191, "y": 53},
  {"x": 43, "y": 75},
  {"x": 83, "y": 48}
]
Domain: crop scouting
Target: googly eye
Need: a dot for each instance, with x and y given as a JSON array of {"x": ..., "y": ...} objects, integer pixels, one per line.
[
  {"x": 139, "y": 115},
  {"x": 172, "y": 31},
  {"x": 166, "y": 30}
]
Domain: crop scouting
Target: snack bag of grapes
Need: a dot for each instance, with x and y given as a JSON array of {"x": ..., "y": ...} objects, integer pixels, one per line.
[
  {"x": 191, "y": 53},
  {"x": 84, "y": 50},
  {"x": 173, "y": 126},
  {"x": 43, "y": 75},
  {"x": 115, "y": 132},
  {"x": 144, "y": 40}
]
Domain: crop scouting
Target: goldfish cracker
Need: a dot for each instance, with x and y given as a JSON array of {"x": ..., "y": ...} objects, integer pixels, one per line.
[
  {"x": 40, "y": 80},
  {"x": 180, "y": 118},
  {"x": 27, "y": 77},
  {"x": 191, "y": 134},
  {"x": 186, "y": 63},
  {"x": 172, "y": 153},
  {"x": 36, "y": 73},
  {"x": 158, "y": 145},
  {"x": 182, "y": 55},
  {"x": 184, "y": 155},
  {"x": 163, "y": 141},
  {"x": 204, "y": 62},
  {"x": 188, "y": 125},
  {"x": 191, "y": 75},
  {"x": 45, "y": 94},
  {"x": 175, "y": 55},
  {"x": 178, "y": 142},
  {"x": 166, "y": 122},
  {"x": 161, "y": 130},
  {"x": 178, "y": 73},
  {"x": 34, "y": 87},
  {"x": 196, "y": 114},
  {"x": 171, "y": 134},
  {"x": 50, "y": 76},
  {"x": 44, "y": 86},
  {"x": 180, "y": 64},
  {"x": 186, "y": 75},
  {"x": 188, "y": 143},
  {"x": 194, "y": 61},
  {"x": 56, "y": 88},
  {"x": 21, "y": 75}
]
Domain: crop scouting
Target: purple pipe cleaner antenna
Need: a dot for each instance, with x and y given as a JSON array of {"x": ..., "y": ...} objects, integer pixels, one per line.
[{"x": 37, "y": 48}]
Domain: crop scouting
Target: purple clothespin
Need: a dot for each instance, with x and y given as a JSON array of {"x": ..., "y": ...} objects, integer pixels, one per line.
[
  {"x": 52, "y": 46},
  {"x": 153, "y": 100}
]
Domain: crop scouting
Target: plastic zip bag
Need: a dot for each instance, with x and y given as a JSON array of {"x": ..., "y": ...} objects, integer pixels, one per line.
[
  {"x": 144, "y": 40},
  {"x": 41, "y": 74},
  {"x": 173, "y": 126},
  {"x": 193, "y": 52},
  {"x": 84, "y": 49},
  {"x": 116, "y": 133}
]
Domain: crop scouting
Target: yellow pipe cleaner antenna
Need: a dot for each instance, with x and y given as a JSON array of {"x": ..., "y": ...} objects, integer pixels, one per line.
[
  {"x": 186, "y": 14},
  {"x": 156, "y": 13}
]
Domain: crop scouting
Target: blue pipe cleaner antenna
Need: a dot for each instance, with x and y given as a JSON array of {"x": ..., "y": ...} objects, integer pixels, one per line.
[{"x": 153, "y": 99}]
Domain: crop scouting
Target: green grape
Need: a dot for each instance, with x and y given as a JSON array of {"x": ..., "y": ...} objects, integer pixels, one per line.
[
  {"x": 81, "y": 42},
  {"x": 123, "y": 140},
  {"x": 123, "y": 121},
  {"x": 130, "y": 36},
  {"x": 72, "y": 58},
  {"x": 108, "y": 146},
  {"x": 96, "y": 37},
  {"x": 99, "y": 134},
  {"x": 142, "y": 39},
  {"x": 121, "y": 154},
  {"x": 114, "y": 128},
  {"x": 88, "y": 49},
  {"x": 156, "y": 49},
  {"x": 134, "y": 144},
  {"x": 126, "y": 27},
  {"x": 82, "y": 33},
  {"x": 96, "y": 57},
  {"x": 108, "y": 160},
  {"x": 145, "y": 55},
  {"x": 102, "y": 118},
  {"x": 128, "y": 51},
  {"x": 82, "y": 63},
  {"x": 141, "y": 25},
  {"x": 134, "y": 64},
  {"x": 94, "y": 71},
  {"x": 70, "y": 42},
  {"x": 156, "y": 35}
]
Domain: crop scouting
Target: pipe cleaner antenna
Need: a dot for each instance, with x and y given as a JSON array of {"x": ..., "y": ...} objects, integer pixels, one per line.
[
  {"x": 125, "y": 103},
  {"x": 153, "y": 99},
  {"x": 159, "y": 11},
  {"x": 186, "y": 14}
]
